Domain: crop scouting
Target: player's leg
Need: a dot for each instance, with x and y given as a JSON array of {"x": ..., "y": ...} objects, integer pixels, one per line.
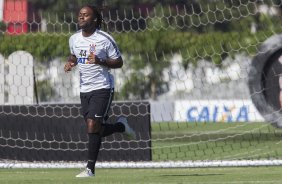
[
  {"x": 109, "y": 129},
  {"x": 93, "y": 109},
  {"x": 98, "y": 104},
  {"x": 94, "y": 141},
  {"x": 95, "y": 106},
  {"x": 121, "y": 126},
  {"x": 128, "y": 131}
]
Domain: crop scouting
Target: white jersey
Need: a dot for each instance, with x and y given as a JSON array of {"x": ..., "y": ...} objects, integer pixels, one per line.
[{"x": 94, "y": 76}]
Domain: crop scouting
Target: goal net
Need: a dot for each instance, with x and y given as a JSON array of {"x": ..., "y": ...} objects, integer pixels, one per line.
[{"x": 201, "y": 86}]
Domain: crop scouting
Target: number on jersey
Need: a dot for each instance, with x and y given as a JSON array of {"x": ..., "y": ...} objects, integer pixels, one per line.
[{"x": 82, "y": 53}]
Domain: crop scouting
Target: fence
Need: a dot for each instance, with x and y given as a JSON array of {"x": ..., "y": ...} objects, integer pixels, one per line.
[{"x": 17, "y": 79}]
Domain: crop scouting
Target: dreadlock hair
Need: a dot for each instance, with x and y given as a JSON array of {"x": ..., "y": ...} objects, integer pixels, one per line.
[{"x": 97, "y": 14}]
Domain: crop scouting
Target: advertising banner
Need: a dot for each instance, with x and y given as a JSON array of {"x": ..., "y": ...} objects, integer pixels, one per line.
[{"x": 216, "y": 111}]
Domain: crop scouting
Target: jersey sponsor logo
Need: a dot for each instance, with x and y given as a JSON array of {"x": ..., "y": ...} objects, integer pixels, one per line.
[{"x": 83, "y": 61}]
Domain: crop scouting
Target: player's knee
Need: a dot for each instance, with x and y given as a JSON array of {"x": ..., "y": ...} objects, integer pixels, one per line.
[{"x": 93, "y": 126}]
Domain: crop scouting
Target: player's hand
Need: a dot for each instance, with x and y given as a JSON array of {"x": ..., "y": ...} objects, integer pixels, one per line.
[
  {"x": 93, "y": 59},
  {"x": 71, "y": 62},
  {"x": 68, "y": 66}
]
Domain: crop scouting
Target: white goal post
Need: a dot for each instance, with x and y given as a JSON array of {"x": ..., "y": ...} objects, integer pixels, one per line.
[{"x": 167, "y": 164}]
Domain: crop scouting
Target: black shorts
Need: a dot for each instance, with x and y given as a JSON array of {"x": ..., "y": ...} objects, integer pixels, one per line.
[{"x": 96, "y": 104}]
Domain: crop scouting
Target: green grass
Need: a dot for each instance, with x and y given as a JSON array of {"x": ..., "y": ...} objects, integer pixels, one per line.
[
  {"x": 215, "y": 141},
  {"x": 197, "y": 141},
  {"x": 230, "y": 175}
]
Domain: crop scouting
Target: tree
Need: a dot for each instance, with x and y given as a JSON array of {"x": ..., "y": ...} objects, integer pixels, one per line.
[
  {"x": 149, "y": 57},
  {"x": 151, "y": 54}
]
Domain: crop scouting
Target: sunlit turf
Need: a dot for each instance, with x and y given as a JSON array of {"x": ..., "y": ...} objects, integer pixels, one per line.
[
  {"x": 215, "y": 141},
  {"x": 230, "y": 175},
  {"x": 183, "y": 141}
]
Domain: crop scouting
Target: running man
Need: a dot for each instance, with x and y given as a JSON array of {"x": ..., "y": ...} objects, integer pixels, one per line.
[{"x": 95, "y": 52}]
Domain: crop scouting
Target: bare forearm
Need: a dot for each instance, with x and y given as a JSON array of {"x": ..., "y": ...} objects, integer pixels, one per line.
[
  {"x": 71, "y": 62},
  {"x": 111, "y": 63},
  {"x": 72, "y": 59}
]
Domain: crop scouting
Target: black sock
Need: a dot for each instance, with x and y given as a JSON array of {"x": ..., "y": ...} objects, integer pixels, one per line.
[
  {"x": 109, "y": 129},
  {"x": 93, "y": 150}
]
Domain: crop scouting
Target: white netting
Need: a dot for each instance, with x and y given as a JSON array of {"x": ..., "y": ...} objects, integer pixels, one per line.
[{"x": 192, "y": 62}]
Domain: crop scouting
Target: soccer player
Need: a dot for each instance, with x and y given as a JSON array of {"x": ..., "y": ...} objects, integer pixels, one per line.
[{"x": 95, "y": 52}]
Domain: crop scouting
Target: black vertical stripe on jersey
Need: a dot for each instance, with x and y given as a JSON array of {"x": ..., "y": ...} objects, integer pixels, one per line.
[{"x": 114, "y": 44}]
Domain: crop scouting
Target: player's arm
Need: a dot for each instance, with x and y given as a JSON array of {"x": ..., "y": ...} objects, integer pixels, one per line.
[
  {"x": 111, "y": 63},
  {"x": 71, "y": 62},
  {"x": 112, "y": 51}
]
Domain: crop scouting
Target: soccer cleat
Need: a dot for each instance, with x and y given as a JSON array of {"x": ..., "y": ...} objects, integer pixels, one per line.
[
  {"x": 129, "y": 132},
  {"x": 86, "y": 173}
]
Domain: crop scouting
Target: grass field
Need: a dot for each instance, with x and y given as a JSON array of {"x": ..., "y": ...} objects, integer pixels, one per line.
[
  {"x": 215, "y": 141},
  {"x": 232, "y": 175},
  {"x": 183, "y": 141}
]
